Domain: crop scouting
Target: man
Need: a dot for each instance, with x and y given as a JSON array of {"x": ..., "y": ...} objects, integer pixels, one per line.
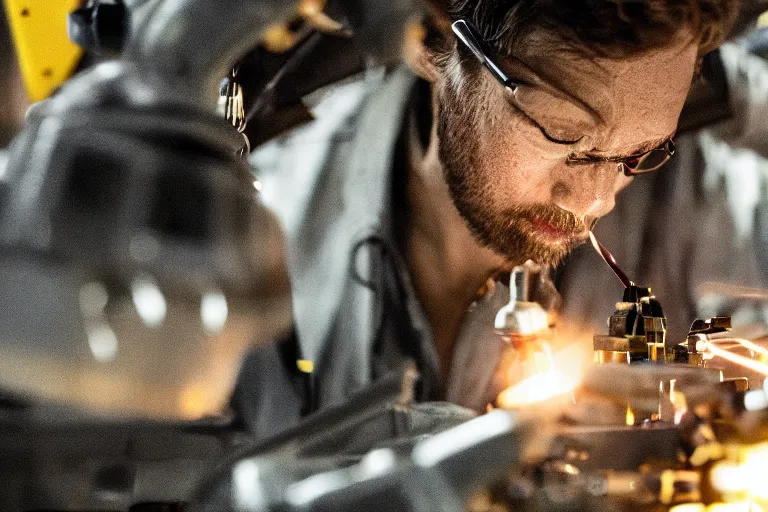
[
  {"x": 703, "y": 245},
  {"x": 409, "y": 192}
]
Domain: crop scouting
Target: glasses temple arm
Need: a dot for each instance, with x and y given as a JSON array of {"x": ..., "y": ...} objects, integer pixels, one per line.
[{"x": 465, "y": 34}]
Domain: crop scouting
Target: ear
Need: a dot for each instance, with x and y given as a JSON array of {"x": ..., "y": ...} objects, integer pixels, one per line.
[{"x": 417, "y": 56}]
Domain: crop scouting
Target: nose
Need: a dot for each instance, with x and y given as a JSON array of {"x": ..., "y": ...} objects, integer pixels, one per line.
[{"x": 587, "y": 189}]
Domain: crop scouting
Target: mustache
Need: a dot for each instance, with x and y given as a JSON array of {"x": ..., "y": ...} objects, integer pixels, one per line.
[{"x": 556, "y": 217}]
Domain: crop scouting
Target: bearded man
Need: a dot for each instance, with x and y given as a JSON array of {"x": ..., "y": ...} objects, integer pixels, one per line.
[{"x": 504, "y": 136}]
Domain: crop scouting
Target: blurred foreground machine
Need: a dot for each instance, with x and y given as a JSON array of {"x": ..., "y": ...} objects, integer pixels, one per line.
[
  {"x": 660, "y": 430},
  {"x": 137, "y": 265}
]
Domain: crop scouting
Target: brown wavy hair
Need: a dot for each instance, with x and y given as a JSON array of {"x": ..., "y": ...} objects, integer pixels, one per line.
[{"x": 611, "y": 28}]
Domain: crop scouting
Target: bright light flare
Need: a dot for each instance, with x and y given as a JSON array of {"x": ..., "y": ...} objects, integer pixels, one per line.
[
  {"x": 745, "y": 477},
  {"x": 102, "y": 341},
  {"x": 214, "y": 311},
  {"x": 630, "y": 417},
  {"x": 540, "y": 387},
  {"x": 689, "y": 507},
  {"x": 149, "y": 301},
  {"x": 754, "y": 347},
  {"x": 742, "y": 506},
  {"x": 745, "y": 362},
  {"x": 559, "y": 377}
]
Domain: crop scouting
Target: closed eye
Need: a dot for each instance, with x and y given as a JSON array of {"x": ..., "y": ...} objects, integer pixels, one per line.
[{"x": 554, "y": 140}]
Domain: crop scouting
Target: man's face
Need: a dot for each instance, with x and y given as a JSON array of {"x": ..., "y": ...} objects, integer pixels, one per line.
[{"x": 504, "y": 158}]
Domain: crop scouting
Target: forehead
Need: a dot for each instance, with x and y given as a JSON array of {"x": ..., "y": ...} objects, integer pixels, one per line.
[{"x": 643, "y": 92}]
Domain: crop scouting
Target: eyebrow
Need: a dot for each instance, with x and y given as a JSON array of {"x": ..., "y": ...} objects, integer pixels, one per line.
[
  {"x": 557, "y": 90},
  {"x": 553, "y": 88}
]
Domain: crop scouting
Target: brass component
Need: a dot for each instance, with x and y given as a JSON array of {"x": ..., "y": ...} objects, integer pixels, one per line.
[
  {"x": 278, "y": 38},
  {"x": 672, "y": 492},
  {"x": 632, "y": 344},
  {"x": 656, "y": 337},
  {"x": 737, "y": 384},
  {"x": 705, "y": 453},
  {"x": 696, "y": 360},
  {"x": 667, "y": 487},
  {"x": 612, "y": 349},
  {"x": 656, "y": 352},
  {"x": 721, "y": 322},
  {"x": 611, "y": 356}
]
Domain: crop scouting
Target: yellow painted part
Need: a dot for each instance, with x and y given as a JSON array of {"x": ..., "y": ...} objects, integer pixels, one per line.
[
  {"x": 762, "y": 20},
  {"x": 47, "y": 58},
  {"x": 305, "y": 366}
]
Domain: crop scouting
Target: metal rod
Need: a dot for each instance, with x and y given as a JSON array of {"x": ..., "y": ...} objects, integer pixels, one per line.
[{"x": 610, "y": 260}]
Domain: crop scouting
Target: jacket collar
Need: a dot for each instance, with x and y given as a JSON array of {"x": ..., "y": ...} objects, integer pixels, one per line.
[{"x": 347, "y": 200}]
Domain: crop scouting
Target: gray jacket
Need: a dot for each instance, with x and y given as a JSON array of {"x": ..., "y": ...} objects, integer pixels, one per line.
[{"x": 355, "y": 312}]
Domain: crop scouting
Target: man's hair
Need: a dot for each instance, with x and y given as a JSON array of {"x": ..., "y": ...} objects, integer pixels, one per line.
[{"x": 610, "y": 28}]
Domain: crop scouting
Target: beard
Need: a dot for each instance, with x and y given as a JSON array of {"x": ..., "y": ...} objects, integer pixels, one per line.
[{"x": 514, "y": 231}]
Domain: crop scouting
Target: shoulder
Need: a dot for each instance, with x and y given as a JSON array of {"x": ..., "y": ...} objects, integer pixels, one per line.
[{"x": 349, "y": 118}]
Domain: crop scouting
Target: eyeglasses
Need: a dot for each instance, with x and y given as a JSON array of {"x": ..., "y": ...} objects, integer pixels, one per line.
[
  {"x": 631, "y": 166},
  {"x": 641, "y": 163}
]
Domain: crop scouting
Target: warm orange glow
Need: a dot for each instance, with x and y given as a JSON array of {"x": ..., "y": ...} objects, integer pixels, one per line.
[
  {"x": 754, "y": 347},
  {"x": 742, "y": 476},
  {"x": 741, "y": 506},
  {"x": 558, "y": 375},
  {"x": 194, "y": 403},
  {"x": 680, "y": 405},
  {"x": 717, "y": 507},
  {"x": 544, "y": 386},
  {"x": 689, "y": 507},
  {"x": 737, "y": 359},
  {"x": 630, "y": 416}
]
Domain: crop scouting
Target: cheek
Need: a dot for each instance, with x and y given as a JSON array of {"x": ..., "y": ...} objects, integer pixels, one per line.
[
  {"x": 515, "y": 170},
  {"x": 622, "y": 182}
]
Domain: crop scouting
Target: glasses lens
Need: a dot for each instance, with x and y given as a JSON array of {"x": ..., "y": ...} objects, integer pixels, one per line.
[
  {"x": 651, "y": 161},
  {"x": 632, "y": 163},
  {"x": 670, "y": 147}
]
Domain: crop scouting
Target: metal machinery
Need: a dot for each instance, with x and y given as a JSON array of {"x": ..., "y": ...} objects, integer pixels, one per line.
[
  {"x": 651, "y": 429},
  {"x": 133, "y": 245}
]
